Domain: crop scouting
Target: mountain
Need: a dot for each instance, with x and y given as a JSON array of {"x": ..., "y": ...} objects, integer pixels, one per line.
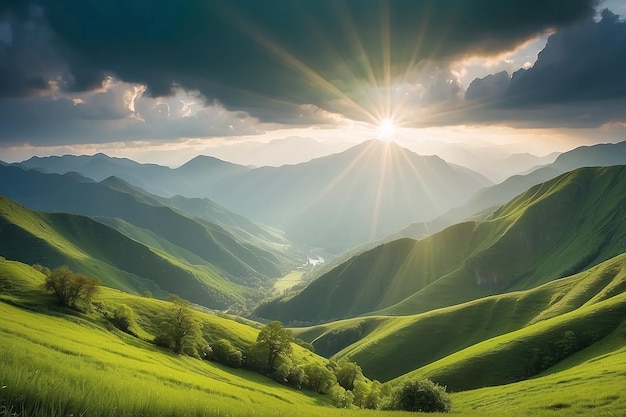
[
  {"x": 553, "y": 230},
  {"x": 247, "y": 262},
  {"x": 90, "y": 247},
  {"x": 291, "y": 150},
  {"x": 345, "y": 199},
  {"x": 334, "y": 202},
  {"x": 488, "y": 198}
]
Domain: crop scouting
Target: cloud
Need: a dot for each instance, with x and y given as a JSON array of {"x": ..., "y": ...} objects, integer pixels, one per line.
[
  {"x": 243, "y": 51},
  {"x": 116, "y": 112},
  {"x": 577, "y": 80}
]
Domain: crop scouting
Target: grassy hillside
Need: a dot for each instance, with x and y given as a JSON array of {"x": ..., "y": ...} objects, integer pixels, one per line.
[
  {"x": 387, "y": 347},
  {"x": 555, "y": 229},
  {"x": 57, "y": 363},
  {"x": 93, "y": 248}
]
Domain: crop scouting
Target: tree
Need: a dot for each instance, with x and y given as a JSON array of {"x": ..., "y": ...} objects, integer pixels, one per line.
[
  {"x": 373, "y": 398},
  {"x": 277, "y": 340},
  {"x": 340, "y": 397},
  {"x": 71, "y": 289},
  {"x": 320, "y": 377},
  {"x": 347, "y": 373},
  {"x": 180, "y": 328},
  {"x": 360, "y": 391},
  {"x": 421, "y": 395}
]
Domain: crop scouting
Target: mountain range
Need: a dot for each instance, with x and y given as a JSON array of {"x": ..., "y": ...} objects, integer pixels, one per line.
[{"x": 334, "y": 202}]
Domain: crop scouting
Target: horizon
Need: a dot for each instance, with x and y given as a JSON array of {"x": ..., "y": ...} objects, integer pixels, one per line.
[{"x": 511, "y": 84}]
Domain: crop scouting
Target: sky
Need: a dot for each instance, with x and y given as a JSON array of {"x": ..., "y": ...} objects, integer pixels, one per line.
[{"x": 162, "y": 81}]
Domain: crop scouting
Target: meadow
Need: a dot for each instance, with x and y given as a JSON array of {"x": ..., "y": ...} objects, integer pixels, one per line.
[{"x": 56, "y": 362}]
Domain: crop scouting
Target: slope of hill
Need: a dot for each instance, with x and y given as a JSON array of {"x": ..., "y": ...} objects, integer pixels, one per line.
[
  {"x": 53, "y": 239},
  {"x": 607, "y": 154},
  {"x": 235, "y": 258},
  {"x": 95, "y": 370},
  {"x": 57, "y": 363},
  {"x": 334, "y": 202},
  {"x": 555, "y": 229},
  {"x": 411, "y": 342}
]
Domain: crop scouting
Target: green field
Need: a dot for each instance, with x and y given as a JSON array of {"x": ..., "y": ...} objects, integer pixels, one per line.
[{"x": 56, "y": 362}]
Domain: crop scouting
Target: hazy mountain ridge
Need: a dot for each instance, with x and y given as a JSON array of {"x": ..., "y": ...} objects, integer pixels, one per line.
[
  {"x": 525, "y": 243},
  {"x": 334, "y": 202}
]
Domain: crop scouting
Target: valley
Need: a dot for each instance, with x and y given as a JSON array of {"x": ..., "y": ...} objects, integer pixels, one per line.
[{"x": 515, "y": 307}]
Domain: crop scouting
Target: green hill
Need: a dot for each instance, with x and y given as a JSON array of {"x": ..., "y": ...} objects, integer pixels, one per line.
[
  {"x": 387, "y": 347},
  {"x": 96, "y": 249},
  {"x": 56, "y": 363},
  {"x": 553, "y": 230}
]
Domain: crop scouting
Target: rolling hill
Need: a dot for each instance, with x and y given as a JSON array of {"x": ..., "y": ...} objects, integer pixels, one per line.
[
  {"x": 416, "y": 341},
  {"x": 248, "y": 261},
  {"x": 553, "y": 230}
]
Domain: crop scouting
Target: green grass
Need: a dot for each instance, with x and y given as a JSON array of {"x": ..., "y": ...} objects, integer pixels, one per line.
[{"x": 594, "y": 387}]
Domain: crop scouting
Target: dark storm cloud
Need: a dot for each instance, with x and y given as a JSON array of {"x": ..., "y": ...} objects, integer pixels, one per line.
[
  {"x": 579, "y": 79},
  {"x": 236, "y": 50}
]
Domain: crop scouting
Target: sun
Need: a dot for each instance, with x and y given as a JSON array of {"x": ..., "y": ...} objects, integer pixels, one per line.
[{"x": 386, "y": 129}]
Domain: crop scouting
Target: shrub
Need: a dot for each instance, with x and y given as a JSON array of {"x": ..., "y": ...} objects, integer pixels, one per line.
[
  {"x": 71, "y": 289},
  {"x": 420, "y": 395},
  {"x": 123, "y": 318}
]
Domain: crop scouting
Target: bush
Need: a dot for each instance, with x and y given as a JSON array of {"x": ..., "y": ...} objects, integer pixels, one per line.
[
  {"x": 225, "y": 353},
  {"x": 123, "y": 318},
  {"x": 421, "y": 395}
]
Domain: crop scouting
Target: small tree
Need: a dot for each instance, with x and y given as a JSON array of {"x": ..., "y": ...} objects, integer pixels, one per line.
[
  {"x": 277, "y": 340},
  {"x": 421, "y": 395},
  {"x": 180, "y": 328},
  {"x": 373, "y": 398},
  {"x": 340, "y": 397},
  {"x": 71, "y": 289},
  {"x": 320, "y": 378},
  {"x": 348, "y": 373}
]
